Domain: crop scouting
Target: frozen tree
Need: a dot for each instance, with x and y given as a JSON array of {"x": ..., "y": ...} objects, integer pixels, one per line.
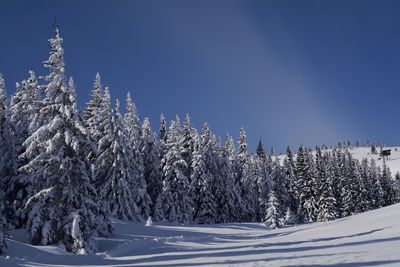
[
  {"x": 388, "y": 186},
  {"x": 134, "y": 134},
  {"x": 114, "y": 170},
  {"x": 25, "y": 119},
  {"x": 245, "y": 181},
  {"x": 63, "y": 206},
  {"x": 151, "y": 163},
  {"x": 226, "y": 192},
  {"x": 349, "y": 187},
  {"x": 205, "y": 185},
  {"x": 290, "y": 217},
  {"x": 304, "y": 171},
  {"x": 291, "y": 181},
  {"x": 24, "y": 110},
  {"x": 7, "y": 154},
  {"x": 327, "y": 203},
  {"x": 91, "y": 114},
  {"x": 260, "y": 151},
  {"x": 174, "y": 203},
  {"x": 204, "y": 210},
  {"x": 273, "y": 216},
  {"x": 264, "y": 184},
  {"x": 188, "y": 141}
]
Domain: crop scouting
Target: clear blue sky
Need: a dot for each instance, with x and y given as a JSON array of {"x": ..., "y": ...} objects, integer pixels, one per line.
[{"x": 290, "y": 72}]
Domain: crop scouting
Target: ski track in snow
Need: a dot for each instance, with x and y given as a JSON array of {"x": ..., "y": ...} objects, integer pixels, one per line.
[{"x": 367, "y": 239}]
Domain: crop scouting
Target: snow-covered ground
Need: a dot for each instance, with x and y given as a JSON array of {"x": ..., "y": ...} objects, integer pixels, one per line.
[{"x": 368, "y": 239}]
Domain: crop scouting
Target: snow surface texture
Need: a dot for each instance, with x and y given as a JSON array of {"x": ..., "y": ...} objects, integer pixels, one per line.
[{"x": 368, "y": 239}]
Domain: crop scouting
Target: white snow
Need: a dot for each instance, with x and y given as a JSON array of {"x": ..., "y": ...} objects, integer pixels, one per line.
[
  {"x": 368, "y": 239},
  {"x": 393, "y": 161}
]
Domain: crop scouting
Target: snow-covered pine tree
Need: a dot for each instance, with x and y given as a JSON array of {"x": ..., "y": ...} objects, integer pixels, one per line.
[
  {"x": 291, "y": 182},
  {"x": 273, "y": 218},
  {"x": 361, "y": 196},
  {"x": 7, "y": 155},
  {"x": 174, "y": 203},
  {"x": 113, "y": 167},
  {"x": 7, "y": 152},
  {"x": 258, "y": 172},
  {"x": 24, "y": 109},
  {"x": 63, "y": 209},
  {"x": 204, "y": 208},
  {"x": 326, "y": 202},
  {"x": 304, "y": 171},
  {"x": 91, "y": 114},
  {"x": 376, "y": 190},
  {"x": 134, "y": 134},
  {"x": 189, "y": 139},
  {"x": 349, "y": 186},
  {"x": 151, "y": 163},
  {"x": 264, "y": 184},
  {"x": 25, "y": 119},
  {"x": 367, "y": 183},
  {"x": 260, "y": 150},
  {"x": 387, "y": 183},
  {"x": 246, "y": 184},
  {"x": 227, "y": 195}
]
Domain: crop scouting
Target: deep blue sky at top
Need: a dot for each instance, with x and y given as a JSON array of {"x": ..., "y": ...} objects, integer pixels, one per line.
[{"x": 290, "y": 72}]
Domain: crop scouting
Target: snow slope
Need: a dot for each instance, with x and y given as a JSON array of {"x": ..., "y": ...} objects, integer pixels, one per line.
[
  {"x": 368, "y": 239},
  {"x": 393, "y": 162}
]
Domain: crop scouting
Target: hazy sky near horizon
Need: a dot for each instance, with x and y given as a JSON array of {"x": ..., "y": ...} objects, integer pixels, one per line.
[{"x": 289, "y": 72}]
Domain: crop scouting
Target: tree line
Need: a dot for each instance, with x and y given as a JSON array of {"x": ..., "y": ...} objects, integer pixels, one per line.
[{"x": 65, "y": 172}]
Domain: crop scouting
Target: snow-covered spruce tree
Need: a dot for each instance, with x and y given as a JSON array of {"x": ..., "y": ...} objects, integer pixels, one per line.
[
  {"x": 24, "y": 109},
  {"x": 188, "y": 140},
  {"x": 64, "y": 209},
  {"x": 376, "y": 189},
  {"x": 25, "y": 119},
  {"x": 204, "y": 210},
  {"x": 246, "y": 184},
  {"x": 326, "y": 202},
  {"x": 273, "y": 217},
  {"x": 278, "y": 180},
  {"x": 113, "y": 168},
  {"x": 7, "y": 155},
  {"x": 307, "y": 206},
  {"x": 349, "y": 186},
  {"x": 229, "y": 168},
  {"x": 264, "y": 184},
  {"x": 366, "y": 183},
  {"x": 151, "y": 163},
  {"x": 92, "y": 119},
  {"x": 226, "y": 192},
  {"x": 135, "y": 143},
  {"x": 361, "y": 197},
  {"x": 258, "y": 172},
  {"x": 91, "y": 113},
  {"x": 7, "y": 152},
  {"x": 388, "y": 187},
  {"x": 174, "y": 203},
  {"x": 291, "y": 182}
]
